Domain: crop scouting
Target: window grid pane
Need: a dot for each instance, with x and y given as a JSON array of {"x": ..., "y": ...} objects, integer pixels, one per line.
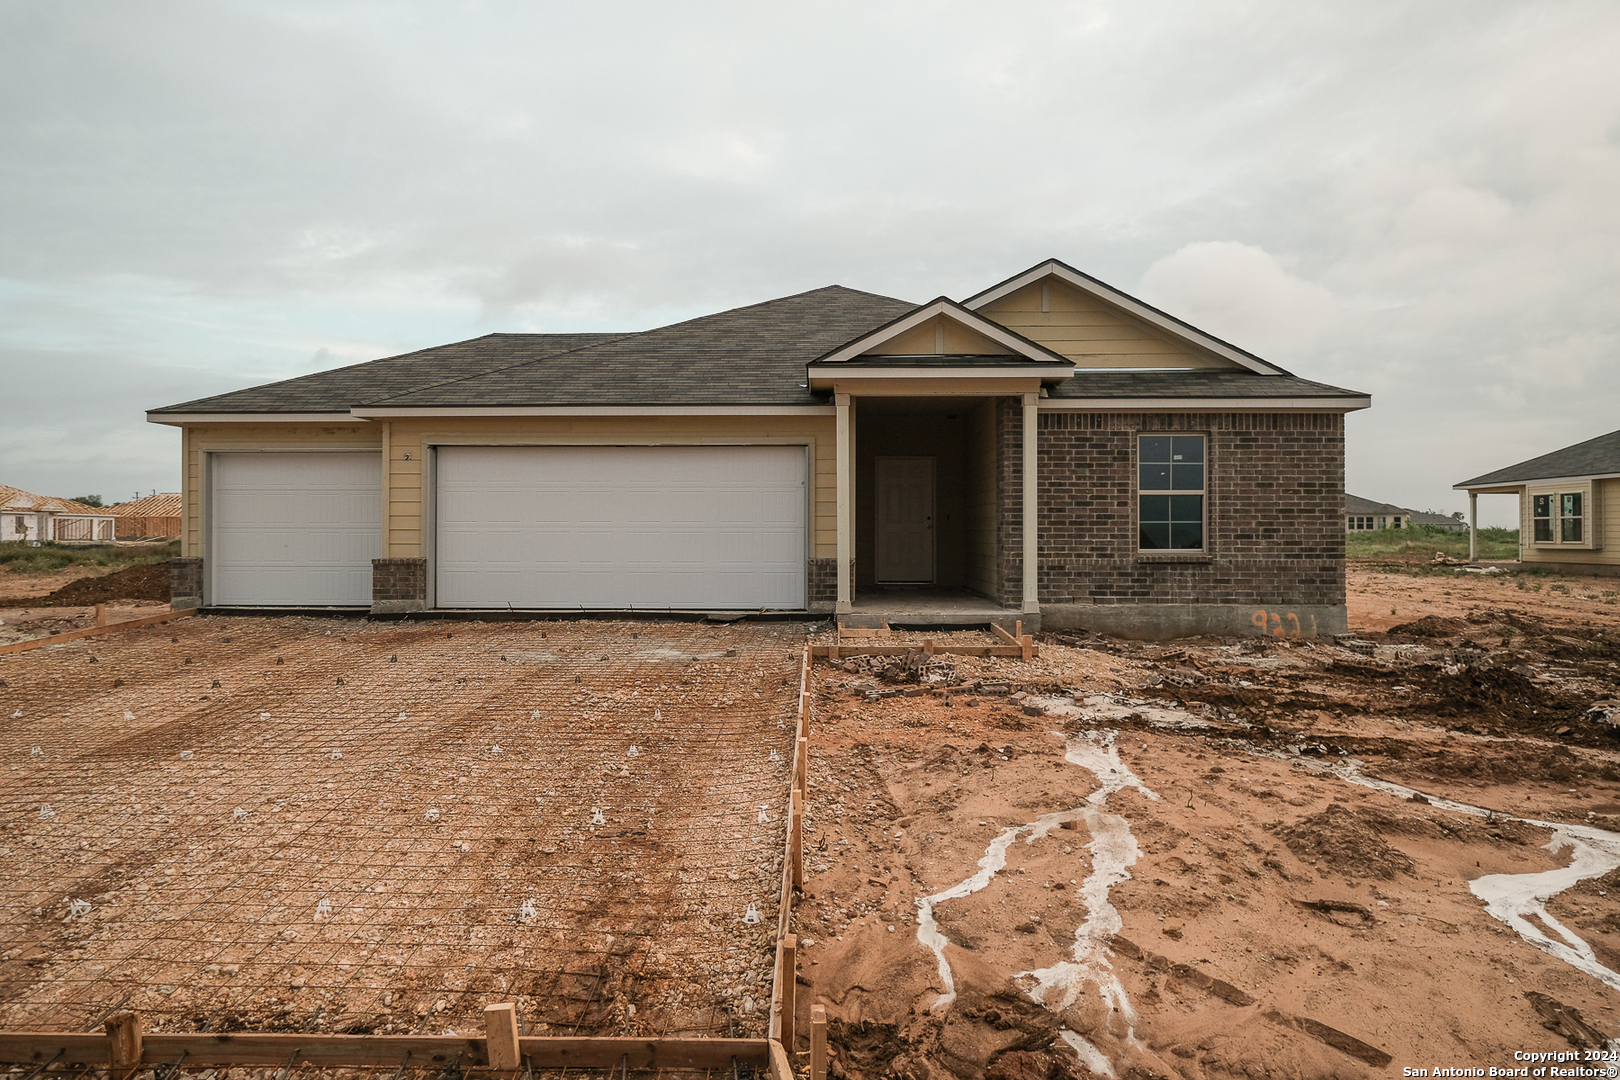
[{"x": 1170, "y": 464}]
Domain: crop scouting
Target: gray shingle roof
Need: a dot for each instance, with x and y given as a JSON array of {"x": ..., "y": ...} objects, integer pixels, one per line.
[
  {"x": 1193, "y": 384},
  {"x": 751, "y": 355},
  {"x": 1594, "y": 457},
  {"x": 343, "y": 388},
  {"x": 754, "y": 355},
  {"x": 1355, "y": 504}
]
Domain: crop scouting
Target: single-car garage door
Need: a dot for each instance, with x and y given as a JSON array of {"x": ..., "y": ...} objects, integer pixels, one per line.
[
  {"x": 295, "y": 529},
  {"x": 621, "y": 526}
]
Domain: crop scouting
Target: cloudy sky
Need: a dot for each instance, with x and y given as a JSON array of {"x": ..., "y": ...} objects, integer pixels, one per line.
[{"x": 1417, "y": 200}]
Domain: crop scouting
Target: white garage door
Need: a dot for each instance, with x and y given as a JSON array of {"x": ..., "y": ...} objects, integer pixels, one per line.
[
  {"x": 295, "y": 529},
  {"x": 621, "y": 526}
]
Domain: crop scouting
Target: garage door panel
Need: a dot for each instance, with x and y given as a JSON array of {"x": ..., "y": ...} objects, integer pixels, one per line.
[
  {"x": 295, "y": 529},
  {"x": 689, "y": 527}
]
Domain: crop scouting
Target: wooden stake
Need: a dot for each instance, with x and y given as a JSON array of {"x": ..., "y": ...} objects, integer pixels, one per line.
[
  {"x": 802, "y": 778},
  {"x": 101, "y": 614},
  {"x": 124, "y": 1044},
  {"x": 796, "y": 836},
  {"x": 818, "y": 1042},
  {"x": 1027, "y": 642},
  {"x": 790, "y": 975},
  {"x": 501, "y": 1038}
]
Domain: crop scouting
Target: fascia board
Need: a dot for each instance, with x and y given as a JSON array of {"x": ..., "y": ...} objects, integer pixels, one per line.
[
  {"x": 1547, "y": 481},
  {"x": 398, "y": 413},
  {"x": 1204, "y": 404},
  {"x": 843, "y": 372},
  {"x": 1155, "y": 318},
  {"x": 943, "y": 306},
  {"x": 252, "y": 418}
]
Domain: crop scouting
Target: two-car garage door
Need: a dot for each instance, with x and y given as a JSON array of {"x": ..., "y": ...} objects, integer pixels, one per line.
[{"x": 621, "y": 527}]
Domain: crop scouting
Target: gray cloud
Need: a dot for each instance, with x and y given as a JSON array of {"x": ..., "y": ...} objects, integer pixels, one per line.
[{"x": 1411, "y": 199}]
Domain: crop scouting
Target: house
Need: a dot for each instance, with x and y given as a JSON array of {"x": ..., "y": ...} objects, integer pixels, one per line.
[
  {"x": 1053, "y": 446},
  {"x": 1569, "y": 505},
  {"x": 1361, "y": 515},
  {"x": 35, "y": 519}
]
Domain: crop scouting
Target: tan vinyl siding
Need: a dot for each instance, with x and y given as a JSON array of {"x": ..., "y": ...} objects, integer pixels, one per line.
[
  {"x": 981, "y": 514},
  {"x": 1604, "y": 518},
  {"x": 1087, "y": 331},
  {"x": 201, "y": 439},
  {"x": 407, "y": 510}
]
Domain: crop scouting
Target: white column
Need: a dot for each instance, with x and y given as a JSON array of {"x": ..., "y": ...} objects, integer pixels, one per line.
[
  {"x": 1031, "y": 509},
  {"x": 1473, "y": 526},
  {"x": 846, "y": 503}
]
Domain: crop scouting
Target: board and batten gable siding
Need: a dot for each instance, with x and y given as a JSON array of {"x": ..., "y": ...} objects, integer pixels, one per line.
[
  {"x": 411, "y": 440},
  {"x": 202, "y": 439},
  {"x": 1087, "y": 331},
  {"x": 939, "y": 336},
  {"x": 1607, "y": 494}
]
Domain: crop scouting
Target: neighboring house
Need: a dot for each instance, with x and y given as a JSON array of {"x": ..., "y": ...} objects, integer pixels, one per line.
[
  {"x": 1078, "y": 458},
  {"x": 156, "y": 517},
  {"x": 1361, "y": 515},
  {"x": 1569, "y": 505},
  {"x": 34, "y": 519}
]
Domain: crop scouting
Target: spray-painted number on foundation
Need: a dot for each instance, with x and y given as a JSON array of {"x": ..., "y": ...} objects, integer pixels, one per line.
[{"x": 1283, "y": 624}]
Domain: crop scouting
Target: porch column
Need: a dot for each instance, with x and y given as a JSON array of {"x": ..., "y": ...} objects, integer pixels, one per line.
[
  {"x": 1031, "y": 509},
  {"x": 1473, "y": 526},
  {"x": 846, "y": 533}
]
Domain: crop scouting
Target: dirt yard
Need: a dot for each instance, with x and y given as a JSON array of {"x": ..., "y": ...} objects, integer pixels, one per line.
[
  {"x": 1247, "y": 857},
  {"x": 333, "y": 825},
  {"x": 1176, "y": 861}
]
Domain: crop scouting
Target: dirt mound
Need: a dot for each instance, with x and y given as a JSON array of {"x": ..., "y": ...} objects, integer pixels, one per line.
[
  {"x": 149, "y": 584},
  {"x": 1343, "y": 842},
  {"x": 1431, "y": 626}
]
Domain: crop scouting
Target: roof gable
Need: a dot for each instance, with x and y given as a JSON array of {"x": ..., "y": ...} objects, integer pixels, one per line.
[
  {"x": 15, "y": 499},
  {"x": 1098, "y": 326},
  {"x": 946, "y": 329}
]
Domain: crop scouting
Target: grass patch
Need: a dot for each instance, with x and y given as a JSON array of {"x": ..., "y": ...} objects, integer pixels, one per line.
[
  {"x": 22, "y": 558},
  {"x": 1419, "y": 544}
]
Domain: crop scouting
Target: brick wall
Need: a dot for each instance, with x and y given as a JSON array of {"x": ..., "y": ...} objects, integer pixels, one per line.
[
  {"x": 185, "y": 581},
  {"x": 1275, "y": 532},
  {"x": 822, "y": 583},
  {"x": 398, "y": 580}
]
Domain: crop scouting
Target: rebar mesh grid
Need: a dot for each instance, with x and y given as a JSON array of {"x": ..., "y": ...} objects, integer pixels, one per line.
[{"x": 304, "y": 824}]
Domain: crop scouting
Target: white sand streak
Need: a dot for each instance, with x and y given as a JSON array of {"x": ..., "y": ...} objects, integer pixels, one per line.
[
  {"x": 1514, "y": 898},
  {"x": 1113, "y": 850}
]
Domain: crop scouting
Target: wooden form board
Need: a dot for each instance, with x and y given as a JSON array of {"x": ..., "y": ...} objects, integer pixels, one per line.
[
  {"x": 382, "y": 1051},
  {"x": 1024, "y": 650},
  {"x": 102, "y": 627}
]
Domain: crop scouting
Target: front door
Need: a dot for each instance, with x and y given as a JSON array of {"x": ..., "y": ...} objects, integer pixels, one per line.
[{"x": 905, "y": 519}]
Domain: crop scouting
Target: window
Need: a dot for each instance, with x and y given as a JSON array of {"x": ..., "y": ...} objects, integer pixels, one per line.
[
  {"x": 1559, "y": 517},
  {"x": 1170, "y": 492}
]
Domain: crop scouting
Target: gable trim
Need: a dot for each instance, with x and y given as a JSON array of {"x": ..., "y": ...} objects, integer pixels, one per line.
[
  {"x": 251, "y": 418},
  {"x": 1162, "y": 322},
  {"x": 1206, "y": 404}
]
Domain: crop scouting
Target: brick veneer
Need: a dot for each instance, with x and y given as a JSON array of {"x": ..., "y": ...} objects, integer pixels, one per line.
[
  {"x": 398, "y": 585},
  {"x": 185, "y": 581},
  {"x": 821, "y": 584},
  {"x": 1275, "y": 510}
]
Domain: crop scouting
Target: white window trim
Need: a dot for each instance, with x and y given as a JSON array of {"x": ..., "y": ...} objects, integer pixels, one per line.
[{"x": 1591, "y": 516}]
